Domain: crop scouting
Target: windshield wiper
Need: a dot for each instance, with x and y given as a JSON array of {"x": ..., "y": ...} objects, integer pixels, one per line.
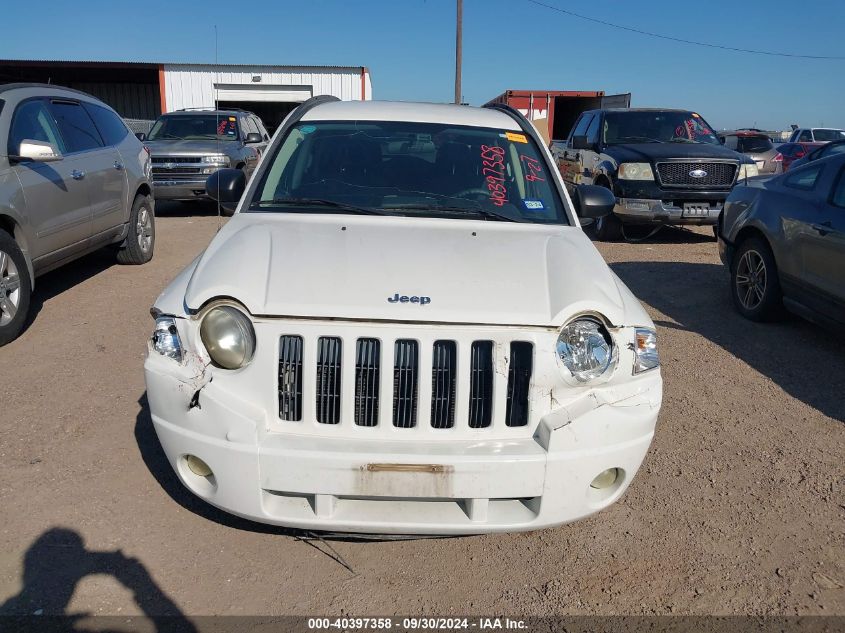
[
  {"x": 317, "y": 202},
  {"x": 487, "y": 213},
  {"x": 646, "y": 139}
]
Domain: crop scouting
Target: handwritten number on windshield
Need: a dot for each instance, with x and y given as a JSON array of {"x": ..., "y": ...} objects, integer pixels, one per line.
[{"x": 494, "y": 172}]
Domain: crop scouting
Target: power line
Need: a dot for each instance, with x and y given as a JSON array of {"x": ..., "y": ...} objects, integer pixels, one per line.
[{"x": 678, "y": 39}]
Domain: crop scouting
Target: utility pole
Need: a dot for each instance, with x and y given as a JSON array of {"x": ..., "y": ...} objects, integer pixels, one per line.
[{"x": 459, "y": 51}]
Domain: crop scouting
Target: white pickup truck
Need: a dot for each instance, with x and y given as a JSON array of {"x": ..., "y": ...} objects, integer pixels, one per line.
[{"x": 403, "y": 329}]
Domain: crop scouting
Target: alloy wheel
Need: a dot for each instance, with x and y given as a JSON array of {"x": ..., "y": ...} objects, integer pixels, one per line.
[
  {"x": 751, "y": 280},
  {"x": 10, "y": 288},
  {"x": 144, "y": 229}
]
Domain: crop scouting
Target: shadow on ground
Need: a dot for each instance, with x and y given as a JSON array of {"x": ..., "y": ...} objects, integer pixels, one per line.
[
  {"x": 805, "y": 360},
  {"x": 187, "y": 209},
  {"x": 54, "y": 565},
  {"x": 62, "y": 279}
]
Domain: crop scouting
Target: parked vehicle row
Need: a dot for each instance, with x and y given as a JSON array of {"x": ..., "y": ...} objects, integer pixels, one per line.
[{"x": 73, "y": 179}]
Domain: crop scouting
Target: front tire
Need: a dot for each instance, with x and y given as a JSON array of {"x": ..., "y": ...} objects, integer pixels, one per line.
[
  {"x": 140, "y": 243},
  {"x": 608, "y": 228},
  {"x": 755, "y": 286},
  {"x": 15, "y": 289}
]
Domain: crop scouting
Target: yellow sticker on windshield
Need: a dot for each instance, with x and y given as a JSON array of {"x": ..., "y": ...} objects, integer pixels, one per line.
[
  {"x": 231, "y": 118},
  {"x": 516, "y": 138},
  {"x": 696, "y": 115}
]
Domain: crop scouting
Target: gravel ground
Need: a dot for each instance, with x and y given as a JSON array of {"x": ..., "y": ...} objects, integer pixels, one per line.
[{"x": 738, "y": 509}]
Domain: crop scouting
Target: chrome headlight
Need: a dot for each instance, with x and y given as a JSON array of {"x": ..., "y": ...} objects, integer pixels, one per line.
[
  {"x": 228, "y": 336},
  {"x": 166, "y": 338},
  {"x": 586, "y": 348},
  {"x": 635, "y": 171},
  {"x": 748, "y": 171},
  {"x": 645, "y": 350}
]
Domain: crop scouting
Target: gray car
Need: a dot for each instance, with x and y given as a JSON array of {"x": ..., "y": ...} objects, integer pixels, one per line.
[
  {"x": 73, "y": 179},
  {"x": 757, "y": 146},
  {"x": 189, "y": 145},
  {"x": 783, "y": 239}
]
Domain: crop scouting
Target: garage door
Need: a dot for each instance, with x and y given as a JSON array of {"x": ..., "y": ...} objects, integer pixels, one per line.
[{"x": 262, "y": 93}]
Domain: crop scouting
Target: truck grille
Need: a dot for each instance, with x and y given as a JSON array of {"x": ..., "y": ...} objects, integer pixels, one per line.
[
  {"x": 369, "y": 388},
  {"x": 677, "y": 174},
  {"x": 176, "y": 159}
]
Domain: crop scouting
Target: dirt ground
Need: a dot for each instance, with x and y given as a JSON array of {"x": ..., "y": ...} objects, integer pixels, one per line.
[{"x": 738, "y": 509}]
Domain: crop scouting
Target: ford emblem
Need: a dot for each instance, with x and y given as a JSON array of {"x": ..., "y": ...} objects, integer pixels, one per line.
[{"x": 698, "y": 173}]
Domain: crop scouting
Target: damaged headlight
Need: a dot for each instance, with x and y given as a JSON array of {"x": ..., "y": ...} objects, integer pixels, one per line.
[
  {"x": 586, "y": 348},
  {"x": 166, "y": 338},
  {"x": 228, "y": 336},
  {"x": 645, "y": 350}
]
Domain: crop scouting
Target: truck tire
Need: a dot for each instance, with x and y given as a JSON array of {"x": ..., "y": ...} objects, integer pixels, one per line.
[
  {"x": 755, "y": 286},
  {"x": 140, "y": 243},
  {"x": 15, "y": 289}
]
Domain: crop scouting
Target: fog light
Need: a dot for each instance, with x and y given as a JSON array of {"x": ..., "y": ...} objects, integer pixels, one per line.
[
  {"x": 200, "y": 468},
  {"x": 605, "y": 479}
]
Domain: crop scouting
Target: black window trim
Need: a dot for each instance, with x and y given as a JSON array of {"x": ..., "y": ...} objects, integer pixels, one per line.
[
  {"x": 53, "y": 99},
  {"x": 94, "y": 121}
]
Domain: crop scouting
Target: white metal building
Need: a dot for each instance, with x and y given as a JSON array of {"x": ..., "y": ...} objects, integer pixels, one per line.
[{"x": 143, "y": 90}]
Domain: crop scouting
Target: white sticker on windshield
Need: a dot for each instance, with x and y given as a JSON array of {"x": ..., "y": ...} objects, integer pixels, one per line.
[{"x": 534, "y": 205}]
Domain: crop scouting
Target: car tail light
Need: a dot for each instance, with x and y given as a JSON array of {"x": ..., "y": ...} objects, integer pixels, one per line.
[
  {"x": 800, "y": 154},
  {"x": 778, "y": 158}
]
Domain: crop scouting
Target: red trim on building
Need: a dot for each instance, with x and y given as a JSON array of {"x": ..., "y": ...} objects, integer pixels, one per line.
[
  {"x": 363, "y": 83},
  {"x": 161, "y": 92}
]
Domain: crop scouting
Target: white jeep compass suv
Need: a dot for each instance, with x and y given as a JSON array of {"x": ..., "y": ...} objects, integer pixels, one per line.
[{"x": 403, "y": 329}]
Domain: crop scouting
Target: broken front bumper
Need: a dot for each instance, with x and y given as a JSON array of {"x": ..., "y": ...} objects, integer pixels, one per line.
[{"x": 402, "y": 486}]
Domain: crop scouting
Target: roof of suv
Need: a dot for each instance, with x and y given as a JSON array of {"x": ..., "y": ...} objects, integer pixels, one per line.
[
  {"x": 407, "y": 111},
  {"x": 25, "y": 86}
]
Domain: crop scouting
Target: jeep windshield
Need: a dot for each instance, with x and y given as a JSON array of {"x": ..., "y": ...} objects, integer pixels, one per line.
[
  {"x": 199, "y": 127},
  {"x": 656, "y": 127},
  {"x": 409, "y": 169}
]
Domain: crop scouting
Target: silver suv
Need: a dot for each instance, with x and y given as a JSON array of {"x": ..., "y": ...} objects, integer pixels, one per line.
[
  {"x": 187, "y": 146},
  {"x": 73, "y": 179}
]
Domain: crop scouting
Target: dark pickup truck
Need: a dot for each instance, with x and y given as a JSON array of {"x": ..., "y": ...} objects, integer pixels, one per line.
[{"x": 663, "y": 166}]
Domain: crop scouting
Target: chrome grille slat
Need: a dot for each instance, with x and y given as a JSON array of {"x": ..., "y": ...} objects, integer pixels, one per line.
[
  {"x": 443, "y": 382},
  {"x": 367, "y": 366},
  {"x": 175, "y": 159},
  {"x": 329, "y": 350},
  {"x": 405, "y": 384},
  {"x": 290, "y": 378},
  {"x": 519, "y": 377},
  {"x": 481, "y": 385}
]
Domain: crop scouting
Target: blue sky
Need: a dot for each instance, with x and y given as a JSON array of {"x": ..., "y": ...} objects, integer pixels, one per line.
[{"x": 409, "y": 47}]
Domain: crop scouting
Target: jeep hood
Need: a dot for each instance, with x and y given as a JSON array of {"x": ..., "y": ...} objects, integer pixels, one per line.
[{"x": 475, "y": 272}]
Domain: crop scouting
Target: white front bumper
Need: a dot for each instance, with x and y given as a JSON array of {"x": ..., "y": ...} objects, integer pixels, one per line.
[{"x": 373, "y": 484}]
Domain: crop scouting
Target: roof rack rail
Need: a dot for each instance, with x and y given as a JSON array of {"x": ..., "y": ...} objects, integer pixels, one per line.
[{"x": 211, "y": 109}]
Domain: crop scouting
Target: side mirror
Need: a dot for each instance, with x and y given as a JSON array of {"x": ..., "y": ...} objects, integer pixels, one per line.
[
  {"x": 38, "y": 151},
  {"x": 253, "y": 137},
  {"x": 592, "y": 201},
  {"x": 581, "y": 142},
  {"x": 226, "y": 186}
]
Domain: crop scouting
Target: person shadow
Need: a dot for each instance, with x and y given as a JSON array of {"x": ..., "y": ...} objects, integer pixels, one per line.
[{"x": 53, "y": 566}]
